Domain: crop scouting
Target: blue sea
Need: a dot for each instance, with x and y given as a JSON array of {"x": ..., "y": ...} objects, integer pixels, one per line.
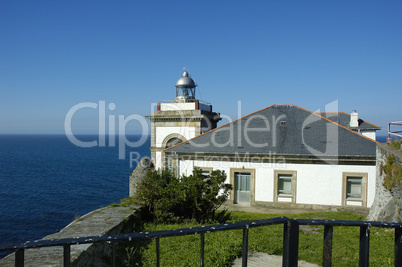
[{"x": 46, "y": 181}]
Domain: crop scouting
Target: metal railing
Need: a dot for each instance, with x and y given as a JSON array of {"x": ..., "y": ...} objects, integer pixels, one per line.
[
  {"x": 290, "y": 239},
  {"x": 394, "y": 133}
]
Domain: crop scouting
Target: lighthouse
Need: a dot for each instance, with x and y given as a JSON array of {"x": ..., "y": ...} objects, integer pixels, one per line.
[{"x": 179, "y": 120}]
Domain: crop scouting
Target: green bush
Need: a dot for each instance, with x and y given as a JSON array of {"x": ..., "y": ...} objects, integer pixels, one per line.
[
  {"x": 393, "y": 173},
  {"x": 397, "y": 144},
  {"x": 170, "y": 199}
]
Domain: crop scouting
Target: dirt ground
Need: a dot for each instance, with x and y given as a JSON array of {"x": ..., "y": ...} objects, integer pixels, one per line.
[{"x": 272, "y": 210}]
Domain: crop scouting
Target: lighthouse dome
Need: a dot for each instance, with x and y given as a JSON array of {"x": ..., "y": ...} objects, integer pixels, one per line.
[{"x": 185, "y": 81}]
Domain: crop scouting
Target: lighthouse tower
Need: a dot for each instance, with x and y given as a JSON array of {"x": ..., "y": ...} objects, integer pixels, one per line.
[{"x": 179, "y": 120}]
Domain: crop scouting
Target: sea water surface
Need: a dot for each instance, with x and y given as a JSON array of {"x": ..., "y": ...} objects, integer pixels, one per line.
[{"x": 46, "y": 181}]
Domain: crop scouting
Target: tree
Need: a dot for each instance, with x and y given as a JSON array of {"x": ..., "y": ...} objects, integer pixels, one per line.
[{"x": 170, "y": 199}]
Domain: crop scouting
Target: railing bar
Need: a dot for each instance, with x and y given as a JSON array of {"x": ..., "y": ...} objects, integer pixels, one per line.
[
  {"x": 186, "y": 231},
  {"x": 349, "y": 223},
  {"x": 327, "y": 250},
  {"x": 398, "y": 247},
  {"x": 245, "y": 246},
  {"x": 364, "y": 246},
  {"x": 202, "y": 249},
  {"x": 363, "y": 253},
  {"x": 157, "y": 252},
  {"x": 19, "y": 257},
  {"x": 66, "y": 255},
  {"x": 113, "y": 256},
  {"x": 141, "y": 235}
]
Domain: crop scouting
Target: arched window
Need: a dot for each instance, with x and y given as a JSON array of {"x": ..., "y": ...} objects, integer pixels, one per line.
[{"x": 172, "y": 142}]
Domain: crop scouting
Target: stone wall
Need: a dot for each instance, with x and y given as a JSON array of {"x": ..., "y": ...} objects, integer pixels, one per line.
[
  {"x": 387, "y": 204},
  {"x": 138, "y": 175},
  {"x": 105, "y": 221}
]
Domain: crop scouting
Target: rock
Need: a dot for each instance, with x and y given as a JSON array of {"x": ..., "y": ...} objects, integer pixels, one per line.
[
  {"x": 387, "y": 204},
  {"x": 139, "y": 174}
]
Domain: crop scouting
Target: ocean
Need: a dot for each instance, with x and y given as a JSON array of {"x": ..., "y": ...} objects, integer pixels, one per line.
[{"x": 46, "y": 181}]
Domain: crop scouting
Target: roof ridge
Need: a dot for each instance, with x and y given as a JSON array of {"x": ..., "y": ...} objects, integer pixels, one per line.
[
  {"x": 324, "y": 112},
  {"x": 321, "y": 112},
  {"x": 340, "y": 125}
]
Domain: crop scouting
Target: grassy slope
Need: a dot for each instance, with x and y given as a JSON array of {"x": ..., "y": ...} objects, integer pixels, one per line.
[{"x": 221, "y": 248}]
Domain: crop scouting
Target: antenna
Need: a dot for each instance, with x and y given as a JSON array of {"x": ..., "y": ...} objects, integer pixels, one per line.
[
  {"x": 186, "y": 70},
  {"x": 199, "y": 92}
]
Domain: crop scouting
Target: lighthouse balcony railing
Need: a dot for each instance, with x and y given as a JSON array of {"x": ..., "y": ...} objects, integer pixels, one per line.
[{"x": 187, "y": 100}]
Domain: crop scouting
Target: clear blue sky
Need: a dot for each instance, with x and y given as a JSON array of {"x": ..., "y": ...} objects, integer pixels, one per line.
[{"x": 56, "y": 54}]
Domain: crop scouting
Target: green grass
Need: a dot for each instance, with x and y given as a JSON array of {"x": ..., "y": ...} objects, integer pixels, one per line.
[
  {"x": 221, "y": 248},
  {"x": 397, "y": 144}
]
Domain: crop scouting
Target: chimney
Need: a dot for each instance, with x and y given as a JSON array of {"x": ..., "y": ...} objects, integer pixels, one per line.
[{"x": 354, "y": 120}]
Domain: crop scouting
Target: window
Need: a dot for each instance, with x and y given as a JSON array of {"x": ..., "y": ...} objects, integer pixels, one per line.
[
  {"x": 205, "y": 171},
  {"x": 174, "y": 141},
  {"x": 354, "y": 189},
  {"x": 169, "y": 163},
  {"x": 285, "y": 186}
]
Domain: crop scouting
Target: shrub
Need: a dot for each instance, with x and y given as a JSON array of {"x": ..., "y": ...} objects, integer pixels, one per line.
[
  {"x": 173, "y": 200},
  {"x": 393, "y": 173},
  {"x": 397, "y": 143}
]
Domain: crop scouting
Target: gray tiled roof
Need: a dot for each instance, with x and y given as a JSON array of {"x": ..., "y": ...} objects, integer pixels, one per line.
[
  {"x": 281, "y": 130},
  {"x": 343, "y": 119}
]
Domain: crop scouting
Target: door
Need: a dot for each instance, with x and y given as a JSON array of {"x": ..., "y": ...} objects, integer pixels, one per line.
[{"x": 242, "y": 188}]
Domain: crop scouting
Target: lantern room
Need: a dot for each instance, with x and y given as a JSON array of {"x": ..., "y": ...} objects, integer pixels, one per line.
[{"x": 185, "y": 88}]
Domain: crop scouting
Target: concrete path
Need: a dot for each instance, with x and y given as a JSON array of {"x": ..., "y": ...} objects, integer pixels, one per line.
[{"x": 258, "y": 259}]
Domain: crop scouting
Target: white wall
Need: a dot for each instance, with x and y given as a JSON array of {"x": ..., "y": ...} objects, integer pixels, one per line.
[
  {"x": 162, "y": 132},
  {"x": 316, "y": 184},
  {"x": 178, "y": 106},
  {"x": 369, "y": 134},
  {"x": 158, "y": 160}
]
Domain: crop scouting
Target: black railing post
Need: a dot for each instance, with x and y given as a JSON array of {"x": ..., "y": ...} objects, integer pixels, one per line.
[
  {"x": 66, "y": 255},
  {"x": 327, "y": 251},
  {"x": 245, "y": 246},
  {"x": 398, "y": 246},
  {"x": 364, "y": 246},
  {"x": 157, "y": 252},
  {"x": 202, "y": 249},
  {"x": 290, "y": 244},
  {"x": 113, "y": 256},
  {"x": 19, "y": 257}
]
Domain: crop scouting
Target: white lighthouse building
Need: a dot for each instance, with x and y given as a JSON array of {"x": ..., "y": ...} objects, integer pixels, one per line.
[{"x": 179, "y": 120}]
